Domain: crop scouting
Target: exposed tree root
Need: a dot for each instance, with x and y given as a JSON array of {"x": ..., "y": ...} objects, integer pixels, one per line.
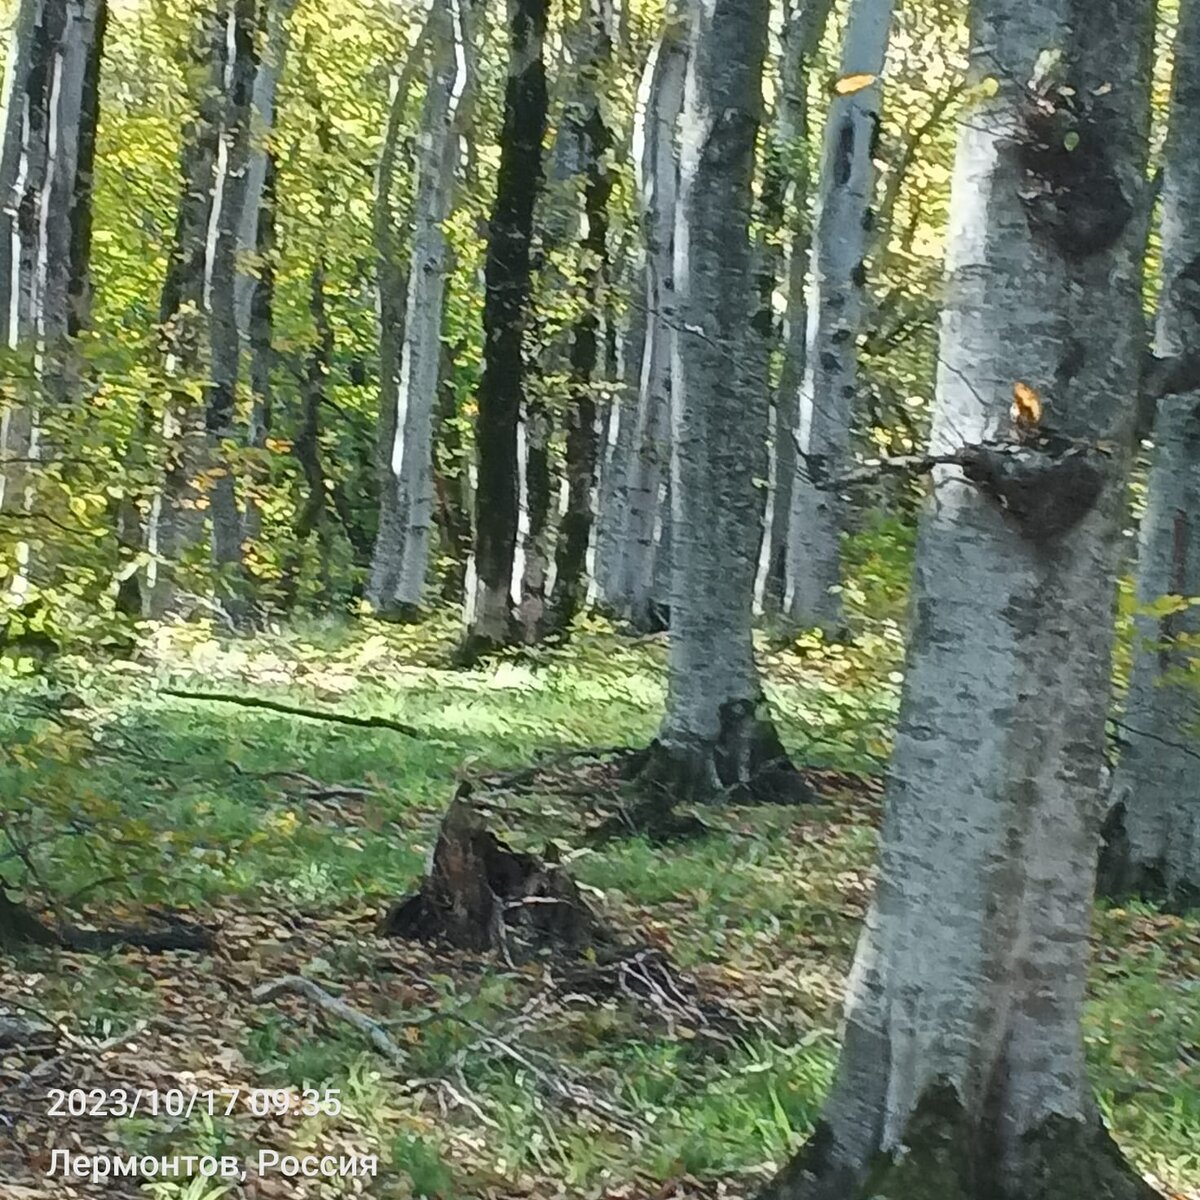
[
  {"x": 19, "y": 927},
  {"x": 479, "y": 894},
  {"x": 1121, "y": 876},
  {"x": 745, "y": 763}
]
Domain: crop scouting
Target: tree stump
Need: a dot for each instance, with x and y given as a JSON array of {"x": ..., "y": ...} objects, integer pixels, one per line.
[{"x": 480, "y": 894}]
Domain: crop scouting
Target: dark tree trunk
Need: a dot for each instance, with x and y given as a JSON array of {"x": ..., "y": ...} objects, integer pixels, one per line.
[
  {"x": 570, "y": 583},
  {"x": 506, "y": 304},
  {"x": 452, "y": 486},
  {"x": 177, "y": 516},
  {"x": 313, "y": 515},
  {"x": 261, "y": 335},
  {"x": 79, "y": 286}
]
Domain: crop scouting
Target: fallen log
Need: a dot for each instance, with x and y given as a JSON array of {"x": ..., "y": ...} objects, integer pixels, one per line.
[{"x": 19, "y": 927}]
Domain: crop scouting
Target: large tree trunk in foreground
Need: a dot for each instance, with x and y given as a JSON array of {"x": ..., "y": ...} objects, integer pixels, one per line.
[
  {"x": 633, "y": 592},
  {"x": 962, "y": 1073},
  {"x": 826, "y": 400},
  {"x": 715, "y": 737},
  {"x": 1153, "y": 836},
  {"x": 400, "y": 560},
  {"x": 506, "y": 303}
]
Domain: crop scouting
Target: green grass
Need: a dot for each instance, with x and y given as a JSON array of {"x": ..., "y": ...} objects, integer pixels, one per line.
[{"x": 174, "y": 803}]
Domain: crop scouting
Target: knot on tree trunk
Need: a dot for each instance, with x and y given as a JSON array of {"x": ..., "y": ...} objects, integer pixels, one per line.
[
  {"x": 1046, "y": 486},
  {"x": 1071, "y": 192}
]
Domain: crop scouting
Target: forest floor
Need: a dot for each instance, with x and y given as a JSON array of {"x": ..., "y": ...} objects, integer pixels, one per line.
[{"x": 291, "y": 836}]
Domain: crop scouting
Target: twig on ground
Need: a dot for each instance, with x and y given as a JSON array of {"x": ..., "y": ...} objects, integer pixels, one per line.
[
  {"x": 295, "y": 710},
  {"x": 297, "y": 985}
]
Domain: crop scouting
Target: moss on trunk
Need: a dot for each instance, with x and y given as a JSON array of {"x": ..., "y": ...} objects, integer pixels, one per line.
[{"x": 950, "y": 1154}]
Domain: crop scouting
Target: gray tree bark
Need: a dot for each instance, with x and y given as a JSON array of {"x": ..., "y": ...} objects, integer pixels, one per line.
[
  {"x": 176, "y": 521},
  {"x": 715, "y": 738},
  {"x": 634, "y": 594},
  {"x": 1153, "y": 835},
  {"x": 225, "y": 337},
  {"x": 391, "y": 295},
  {"x": 787, "y": 237},
  {"x": 48, "y": 115},
  {"x": 400, "y": 558},
  {"x": 262, "y": 128},
  {"x": 255, "y": 280},
  {"x": 830, "y": 380},
  {"x": 962, "y": 1073}
]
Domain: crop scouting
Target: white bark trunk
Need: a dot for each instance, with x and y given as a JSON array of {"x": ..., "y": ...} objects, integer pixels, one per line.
[
  {"x": 804, "y": 25},
  {"x": 1157, "y": 783},
  {"x": 657, "y": 158},
  {"x": 392, "y": 290},
  {"x": 616, "y": 451},
  {"x": 224, "y": 336},
  {"x": 713, "y": 739},
  {"x": 401, "y": 555},
  {"x": 262, "y": 128},
  {"x": 49, "y": 71},
  {"x": 963, "y": 1058},
  {"x": 834, "y": 317}
]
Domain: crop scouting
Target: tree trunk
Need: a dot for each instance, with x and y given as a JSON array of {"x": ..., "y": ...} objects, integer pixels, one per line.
[
  {"x": 830, "y": 381},
  {"x": 617, "y": 453},
  {"x": 535, "y": 496},
  {"x": 400, "y": 560},
  {"x": 262, "y": 127},
  {"x": 452, "y": 482},
  {"x": 785, "y": 247},
  {"x": 176, "y": 520},
  {"x": 313, "y": 512},
  {"x": 506, "y": 303},
  {"x": 715, "y": 737},
  {"x": 595, "y": 140},
  {"x": 1153, "y": 842},
  {"x": 225, "y": 343},
  {"x": 656, "y": 155},
  {"x": 254, "y": 286},
  {"x": 50, "y": 110},
  {"x": 962, "y": 1073},
  {"x": 260, "y": 336},
  {"x": 392, "y": 289}
]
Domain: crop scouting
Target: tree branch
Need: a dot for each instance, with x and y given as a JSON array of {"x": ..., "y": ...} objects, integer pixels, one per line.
[
  {"x": 295, "y": 710},
  {"x": 297, "y": 985}
]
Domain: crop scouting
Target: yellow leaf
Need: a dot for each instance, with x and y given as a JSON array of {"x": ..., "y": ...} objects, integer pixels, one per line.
[
  {"x": 1026, "y": 405},
  {"x": 849, "y": 84}
]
